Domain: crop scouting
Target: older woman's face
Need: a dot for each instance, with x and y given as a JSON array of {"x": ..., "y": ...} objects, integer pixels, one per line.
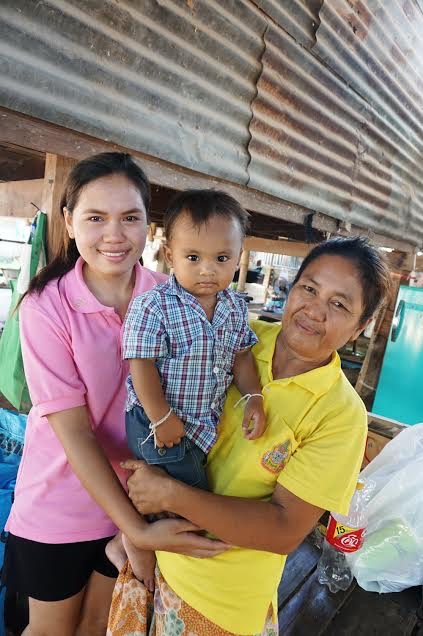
[{"x": 324, "y": 308}]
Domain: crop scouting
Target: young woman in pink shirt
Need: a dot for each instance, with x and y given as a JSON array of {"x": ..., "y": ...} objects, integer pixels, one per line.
[{"x": 70, "y": 495}]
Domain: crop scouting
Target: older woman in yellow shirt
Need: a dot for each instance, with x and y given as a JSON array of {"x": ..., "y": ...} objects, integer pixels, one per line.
[{"x": 268, "y": 493}]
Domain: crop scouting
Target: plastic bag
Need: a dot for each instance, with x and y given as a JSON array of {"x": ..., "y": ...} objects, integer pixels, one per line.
[
  {"x": 391, "y": 558},
  {"x": 12, "y": 377}
]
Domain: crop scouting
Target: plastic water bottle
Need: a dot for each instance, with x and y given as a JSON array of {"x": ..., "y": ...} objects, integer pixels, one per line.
[{"x": 343, "y": 534}]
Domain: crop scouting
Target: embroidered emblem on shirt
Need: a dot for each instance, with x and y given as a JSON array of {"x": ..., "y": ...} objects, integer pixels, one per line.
[{"x": 275, "y": 460}]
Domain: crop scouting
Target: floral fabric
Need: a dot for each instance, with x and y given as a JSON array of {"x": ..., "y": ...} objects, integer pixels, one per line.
[{"x": 136, "y": 612}]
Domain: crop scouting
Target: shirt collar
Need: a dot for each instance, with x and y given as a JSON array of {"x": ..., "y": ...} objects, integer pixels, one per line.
[
  {"x": 83, "y": 300},
  {"x": 175, "y": 289},
  {"x": 317, "y": 381}
]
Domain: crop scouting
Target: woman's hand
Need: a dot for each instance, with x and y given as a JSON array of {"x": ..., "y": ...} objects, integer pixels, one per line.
[
  {"x": 149, "y": 487},
  {"x": 179, "y": 535}
]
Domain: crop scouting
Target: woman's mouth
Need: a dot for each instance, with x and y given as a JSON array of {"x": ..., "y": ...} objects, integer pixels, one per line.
[
  {"x": 303, "y": 326},
  {"x": 114, "y": 256}
]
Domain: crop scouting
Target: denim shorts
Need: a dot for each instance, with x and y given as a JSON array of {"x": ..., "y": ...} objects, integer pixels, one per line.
[{"x": 184, "y": 461}]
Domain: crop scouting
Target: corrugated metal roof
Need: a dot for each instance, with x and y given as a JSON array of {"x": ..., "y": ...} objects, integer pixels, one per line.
[
  {"x": 316, "y": 102},
  {"x": 324, "y": 133},
  {"x": 160, "y": 77},
  {"x": 299, "y": 18}
]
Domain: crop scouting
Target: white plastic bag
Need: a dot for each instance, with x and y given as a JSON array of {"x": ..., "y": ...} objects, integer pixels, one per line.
[{"x": 391, "y": 558}]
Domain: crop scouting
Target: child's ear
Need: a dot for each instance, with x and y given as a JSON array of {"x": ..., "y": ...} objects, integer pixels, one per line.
[{"x": 168, "y": 255}]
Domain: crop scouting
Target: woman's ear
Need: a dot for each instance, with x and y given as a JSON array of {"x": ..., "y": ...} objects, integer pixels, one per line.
[
  {"x": 68, "y": 222},
  {"x": 360, "y": 329}
]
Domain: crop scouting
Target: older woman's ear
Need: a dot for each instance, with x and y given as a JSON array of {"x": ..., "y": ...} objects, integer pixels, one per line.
[{"x": 361, "y": 328}]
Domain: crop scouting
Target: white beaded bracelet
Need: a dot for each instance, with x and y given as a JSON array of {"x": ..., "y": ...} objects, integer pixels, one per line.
[{"x": 248, "y": 397}]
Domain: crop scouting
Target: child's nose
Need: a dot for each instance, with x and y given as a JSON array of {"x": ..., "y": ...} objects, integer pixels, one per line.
[{"x": 207, "y": 268}]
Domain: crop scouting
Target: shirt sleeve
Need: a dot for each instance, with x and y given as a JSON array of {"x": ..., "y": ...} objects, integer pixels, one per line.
[
  {"x": 53, "y": 380},
  {"x": 324, "y": 468},
  {"x": 144, "y": 333},
  {"x": 247, "y": 336}
]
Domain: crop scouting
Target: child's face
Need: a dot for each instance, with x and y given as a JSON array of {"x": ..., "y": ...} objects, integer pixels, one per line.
[{"x": 204, "y": 258}]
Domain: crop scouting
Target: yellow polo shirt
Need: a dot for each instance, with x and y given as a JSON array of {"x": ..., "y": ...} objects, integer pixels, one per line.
[{"x": 313, "y": 446}]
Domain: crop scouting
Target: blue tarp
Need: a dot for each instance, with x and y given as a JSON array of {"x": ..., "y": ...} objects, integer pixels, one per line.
[{"x": 12, "y": 431}]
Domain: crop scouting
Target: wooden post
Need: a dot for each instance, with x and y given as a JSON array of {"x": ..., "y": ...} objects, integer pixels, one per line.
[
  {"x": 151, "y": 231},
  {"x": 243, "y": 270},
  {"x": 401, "y": 264},
  {"x": 56, "y": 171}
]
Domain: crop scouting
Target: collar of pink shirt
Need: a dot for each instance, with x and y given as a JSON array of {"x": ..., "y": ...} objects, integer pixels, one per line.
[{"x": 83, "y": 300}]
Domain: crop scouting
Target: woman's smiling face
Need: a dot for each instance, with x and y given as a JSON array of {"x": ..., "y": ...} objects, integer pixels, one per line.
[
  {"x": 324, "y": 308},
  {"x": 109, "y": 225}
]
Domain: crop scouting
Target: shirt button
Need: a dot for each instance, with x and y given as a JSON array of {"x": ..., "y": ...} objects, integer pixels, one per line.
[
  {"x": 161, "y": 452},
  {"x": 216, "y": 370},
  {"x": 213, "y": 404}
]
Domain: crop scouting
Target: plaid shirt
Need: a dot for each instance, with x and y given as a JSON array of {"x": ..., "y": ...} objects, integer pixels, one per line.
[{"x": 194, "y": 357}]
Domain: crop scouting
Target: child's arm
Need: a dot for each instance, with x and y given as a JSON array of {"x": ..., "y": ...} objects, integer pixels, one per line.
[
  {"x": 247, "y": 382},
  {"x": 147, "y": 385}
]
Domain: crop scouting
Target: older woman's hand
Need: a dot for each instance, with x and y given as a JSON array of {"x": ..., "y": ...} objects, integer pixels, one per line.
[
  {"x": 180, "y": 535},
  {"x": 149, "y": 487}
]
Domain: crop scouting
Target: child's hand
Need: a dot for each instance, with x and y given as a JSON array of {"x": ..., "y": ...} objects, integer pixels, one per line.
[
  {"x": 170, "y": 432},
  {"x": 254, "y": 422}
]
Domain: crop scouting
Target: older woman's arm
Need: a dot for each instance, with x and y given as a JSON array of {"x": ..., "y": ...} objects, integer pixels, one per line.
[{"x": 278, "y": 526}]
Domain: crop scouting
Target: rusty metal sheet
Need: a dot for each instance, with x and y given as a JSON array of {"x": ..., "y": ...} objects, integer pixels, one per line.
[
  {"x": 171, "y": 78},
  {"x": 317, "y": 142}
]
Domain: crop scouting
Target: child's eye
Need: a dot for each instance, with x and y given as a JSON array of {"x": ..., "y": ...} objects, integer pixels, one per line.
[
  {"x": 308, "y": 289},
  {"x": 193, "y": 258},
  {"x": 95, "y": 219},
  {"x": 222, "y": 258},
  {"x": 131, "y": 218}
]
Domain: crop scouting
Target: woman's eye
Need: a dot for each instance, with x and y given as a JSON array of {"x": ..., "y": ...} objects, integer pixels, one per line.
[
  {"x": 308, "y": 289},
  {"x": 222, "y": 258},
  {"x": 95, "y": 219},
  {"x": 131, "y": 218},
  {"x": 339, "y": 305},
  {"x": 193, "y": 258}
]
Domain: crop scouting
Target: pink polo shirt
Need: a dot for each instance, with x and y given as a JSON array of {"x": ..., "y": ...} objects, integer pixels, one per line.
[{"x": 72, "y": 357}]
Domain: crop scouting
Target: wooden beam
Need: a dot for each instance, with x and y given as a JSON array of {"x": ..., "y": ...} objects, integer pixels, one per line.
[
  {"x": 39, "y": 135},
  {"x": 56, "y": 171},
  {"x": 400, "y": 262},
  {"x": 289, "y": 248},
  {"x": 16, "y": 197}
]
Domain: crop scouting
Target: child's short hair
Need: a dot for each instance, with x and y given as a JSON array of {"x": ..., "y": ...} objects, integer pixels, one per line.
[{"x": 201, "y": 205}]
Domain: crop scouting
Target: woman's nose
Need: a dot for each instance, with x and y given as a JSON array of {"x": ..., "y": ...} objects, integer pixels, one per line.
[
  {"x": 315, "y": 309},
  {"x": 113, "y": 231}
]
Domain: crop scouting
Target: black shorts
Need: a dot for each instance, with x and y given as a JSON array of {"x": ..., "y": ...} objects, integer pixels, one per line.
[{"x": 53, "y": 572}]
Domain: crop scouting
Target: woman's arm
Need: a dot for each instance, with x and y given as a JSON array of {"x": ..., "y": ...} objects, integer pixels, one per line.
[
  {"x": 94, "y": 471},
  {"x": 92, "y": 468},
  {"x": 278, "y": 526}
]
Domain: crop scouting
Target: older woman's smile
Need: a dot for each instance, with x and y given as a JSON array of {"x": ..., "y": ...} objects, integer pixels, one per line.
[{"x": 306, "y": 327}]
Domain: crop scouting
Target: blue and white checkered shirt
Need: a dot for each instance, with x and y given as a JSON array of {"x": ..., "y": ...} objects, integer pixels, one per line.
[{"x": 194, "y": 357}]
